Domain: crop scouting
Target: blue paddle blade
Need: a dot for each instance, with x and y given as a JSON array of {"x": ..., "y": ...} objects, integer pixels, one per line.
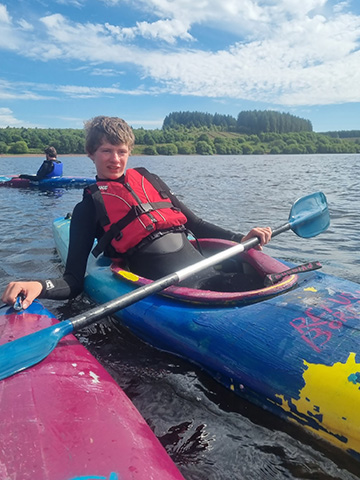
[
  {"x": 309, "y": 215},
  {"x": 31, "y": 349}
]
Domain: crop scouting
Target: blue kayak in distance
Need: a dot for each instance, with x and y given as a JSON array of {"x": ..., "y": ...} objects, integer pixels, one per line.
[
  {"x": 47, "y": 183},
  {"x": 291, "y": 348}
]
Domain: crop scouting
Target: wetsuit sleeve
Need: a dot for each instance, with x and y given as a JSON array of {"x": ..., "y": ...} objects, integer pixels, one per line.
[
  {"x": 82, "y": 235},
  {"x": 199, "y": 227},
  {"x": 46, "y": 168}
]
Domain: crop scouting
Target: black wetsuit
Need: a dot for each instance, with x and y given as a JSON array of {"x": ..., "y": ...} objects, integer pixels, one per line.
[{"x": 164, "y": 255}]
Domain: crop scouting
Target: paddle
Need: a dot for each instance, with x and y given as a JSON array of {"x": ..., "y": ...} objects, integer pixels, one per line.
[{"x": 308, "y": 217}]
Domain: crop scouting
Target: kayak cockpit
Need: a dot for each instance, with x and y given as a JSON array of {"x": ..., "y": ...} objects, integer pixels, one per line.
[{"x": 249, "y": 269}]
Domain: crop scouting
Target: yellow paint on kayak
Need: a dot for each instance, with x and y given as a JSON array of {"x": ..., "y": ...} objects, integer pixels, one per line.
[
  {"x": 128, "y": 275},
  {"x": 331, "y": 396},
  {"x": 310, "y": 289}
]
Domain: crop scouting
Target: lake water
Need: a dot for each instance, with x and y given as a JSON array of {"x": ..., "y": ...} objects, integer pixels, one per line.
[{"x": 209, "y": 432}]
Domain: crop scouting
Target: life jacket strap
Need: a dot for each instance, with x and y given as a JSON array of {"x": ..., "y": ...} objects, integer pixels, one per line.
[
  {"x": 150, "y": 177},
  {"x": 101, "y": 213}
]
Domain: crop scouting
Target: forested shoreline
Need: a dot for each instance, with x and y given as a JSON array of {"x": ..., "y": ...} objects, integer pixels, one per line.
[{"x": 197, "y": 133}]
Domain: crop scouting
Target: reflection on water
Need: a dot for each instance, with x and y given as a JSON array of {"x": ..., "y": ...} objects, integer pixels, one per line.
[{"x": 209, "y": 432}]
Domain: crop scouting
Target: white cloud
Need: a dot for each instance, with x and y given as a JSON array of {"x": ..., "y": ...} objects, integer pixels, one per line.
[
  {"x": 7, "y": 119},
  {"x": 25, "y": 25},
  {"x": 288, "y": 52},
  {"x": 20, "y": 91},
  {"x": 28, "y": 91},
  {"x": 104, "y": 72},
  {"x": 75, "y": 3},
  {"x": 311, "y": 62},
  {"x": 245, "y": 16},
  {"x": 4, "y": 15},
  {"x": 341, "y": 6},
  {"x": 8, "y": 37},
  {"x": 112, "y": 2},
  {"x": 167, "y": 30}
]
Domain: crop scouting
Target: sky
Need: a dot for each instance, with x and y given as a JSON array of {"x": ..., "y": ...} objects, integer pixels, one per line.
[{"x": 63, "y": 62}]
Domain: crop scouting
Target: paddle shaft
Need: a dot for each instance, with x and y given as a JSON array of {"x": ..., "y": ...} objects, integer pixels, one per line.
[{"x": 91, "y": 316}]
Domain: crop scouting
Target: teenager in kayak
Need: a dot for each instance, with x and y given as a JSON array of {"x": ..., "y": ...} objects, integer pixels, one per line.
[
  {"x": 134, "y": 215},
  {"x": 51, "y": 167}
]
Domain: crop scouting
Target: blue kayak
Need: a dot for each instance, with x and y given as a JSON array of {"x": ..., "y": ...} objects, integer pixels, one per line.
[
  {"x": 290, "y": 347},
  {"x": 53, "y": 182}
]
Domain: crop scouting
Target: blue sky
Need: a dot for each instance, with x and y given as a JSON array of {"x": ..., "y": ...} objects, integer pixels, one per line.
[{"x": 65, "y": 61}]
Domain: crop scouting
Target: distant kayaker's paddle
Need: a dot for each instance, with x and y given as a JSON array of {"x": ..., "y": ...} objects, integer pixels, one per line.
[{"x": 308, "y": 217}]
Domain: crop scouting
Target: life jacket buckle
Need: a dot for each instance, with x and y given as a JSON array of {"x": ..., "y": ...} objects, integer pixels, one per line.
[{"x": 144, "y": 208}]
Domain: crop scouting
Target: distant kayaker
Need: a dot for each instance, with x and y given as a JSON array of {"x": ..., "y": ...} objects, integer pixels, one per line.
[
  {"x": 134, "y": 216},
  {"x": 51, "y": 167}
]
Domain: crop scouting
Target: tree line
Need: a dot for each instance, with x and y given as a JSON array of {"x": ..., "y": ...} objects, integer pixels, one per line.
[
  {"x": 200, "y": 142},
  {"x": 196, "y": 133},
  {"x": 34, "y": 140},
  {"x": 248, "y": 122}
]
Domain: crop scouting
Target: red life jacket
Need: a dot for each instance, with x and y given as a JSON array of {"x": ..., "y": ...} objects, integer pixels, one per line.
[{"x": 132, "y": 211}]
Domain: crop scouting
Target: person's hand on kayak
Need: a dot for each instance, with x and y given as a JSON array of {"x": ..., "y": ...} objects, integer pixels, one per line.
[
  {"x": 262, "y": 233},
  {"x": 28, "y": 290}
]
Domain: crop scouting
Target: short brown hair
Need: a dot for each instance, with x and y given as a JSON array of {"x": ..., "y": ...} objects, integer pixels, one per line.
[
  {"x": 51, "y": 152},
  {"x": 111, "y": 129}
]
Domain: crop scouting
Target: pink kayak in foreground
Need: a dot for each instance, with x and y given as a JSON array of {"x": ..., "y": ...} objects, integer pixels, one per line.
[{"x": 67, "y": 419}]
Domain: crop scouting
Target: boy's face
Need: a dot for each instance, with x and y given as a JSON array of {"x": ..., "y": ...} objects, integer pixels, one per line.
[{"x": 110, "y": 160}]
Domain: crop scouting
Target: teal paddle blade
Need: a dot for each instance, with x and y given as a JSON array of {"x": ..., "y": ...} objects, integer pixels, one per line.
[
  {"x": 309, "y": 215},
  {"x": 31, "y": 349}
]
